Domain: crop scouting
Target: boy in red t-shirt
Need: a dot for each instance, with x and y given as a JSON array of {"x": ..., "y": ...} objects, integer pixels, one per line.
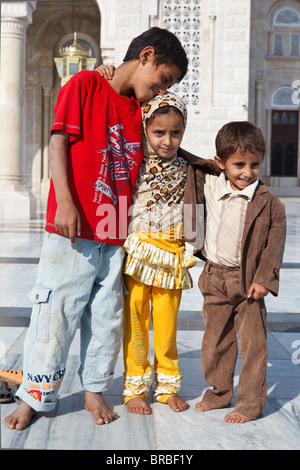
[{"x": 95, "y": 155}]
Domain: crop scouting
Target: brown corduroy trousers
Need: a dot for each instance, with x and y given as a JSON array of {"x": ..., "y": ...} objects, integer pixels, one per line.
[{"x": 228, "y": 317}]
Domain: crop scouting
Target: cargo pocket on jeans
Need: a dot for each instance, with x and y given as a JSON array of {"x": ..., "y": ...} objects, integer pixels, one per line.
[{"x": 40, "y": 317}]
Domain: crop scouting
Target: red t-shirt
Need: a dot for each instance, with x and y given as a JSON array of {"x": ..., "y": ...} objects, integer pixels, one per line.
[{"x": 104, "y": 155}]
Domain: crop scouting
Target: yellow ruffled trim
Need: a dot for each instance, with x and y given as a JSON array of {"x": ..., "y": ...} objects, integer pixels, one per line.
[
  {"x": 166, "y": 385},
  {"x": 136, "y": 386},
  {"x": 158, "y": 261}
]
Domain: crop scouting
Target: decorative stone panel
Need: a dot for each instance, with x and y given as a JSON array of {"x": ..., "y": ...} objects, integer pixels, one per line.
[{"x": 182, "y": 17}]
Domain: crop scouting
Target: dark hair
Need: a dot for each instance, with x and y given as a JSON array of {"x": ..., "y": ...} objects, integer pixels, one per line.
[
  {"x": 242, "y": 135},
  {"x": 167, "y": 47},
  {"x": 164, "y": 110}
]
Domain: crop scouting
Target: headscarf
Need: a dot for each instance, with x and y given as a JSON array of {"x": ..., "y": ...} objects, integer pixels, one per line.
[{"x": 152, "y": 105}]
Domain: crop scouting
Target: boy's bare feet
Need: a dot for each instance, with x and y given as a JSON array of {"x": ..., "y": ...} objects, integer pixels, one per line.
[
  {"x": 236, "y": 417},
  {"x": 203, "y": 406},
  {"x": 177, "y": 404},
  {"x": 101, "y": 413},
  {"x": 138, "y": 406},
  {"x": 20, "y": 418}
]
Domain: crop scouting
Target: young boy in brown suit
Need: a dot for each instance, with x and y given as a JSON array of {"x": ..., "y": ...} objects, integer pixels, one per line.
[{"x": 245, "y": 230}]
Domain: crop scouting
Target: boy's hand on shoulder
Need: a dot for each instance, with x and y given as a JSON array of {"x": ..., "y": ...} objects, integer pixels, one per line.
[
  {"x": 106, "y": 71},
  {"x": 67, "y": 220},
  {"x": 256, "y": 291}
]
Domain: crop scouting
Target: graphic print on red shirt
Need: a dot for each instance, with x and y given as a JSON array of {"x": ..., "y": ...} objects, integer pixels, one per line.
[
  {"x": 104, "y": 155},
  {"x": 119, "y": 166}
]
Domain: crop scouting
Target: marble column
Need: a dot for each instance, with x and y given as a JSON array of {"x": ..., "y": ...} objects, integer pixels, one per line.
[{"x": 16, "y": 201}]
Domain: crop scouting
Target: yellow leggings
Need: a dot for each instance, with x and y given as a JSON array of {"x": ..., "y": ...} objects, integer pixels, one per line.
[{"x": 165, "y": 304}]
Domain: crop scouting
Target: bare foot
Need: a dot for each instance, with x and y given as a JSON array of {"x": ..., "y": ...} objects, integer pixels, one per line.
[
  {"x": 177, "y": 404},
  {"x": 236, "y": 417},
  {"x": 20, "y": 418},
  {"x": 138, "y": 406},
  {"x": 203, "y": 406},
  {"x": 101, "y": 413}
]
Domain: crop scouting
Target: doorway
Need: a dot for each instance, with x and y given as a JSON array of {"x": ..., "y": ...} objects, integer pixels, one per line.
[{"x": 284, "y": 143}]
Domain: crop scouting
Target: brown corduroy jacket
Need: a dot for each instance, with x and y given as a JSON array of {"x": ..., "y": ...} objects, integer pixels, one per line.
[{"x": 264, "y": 232}]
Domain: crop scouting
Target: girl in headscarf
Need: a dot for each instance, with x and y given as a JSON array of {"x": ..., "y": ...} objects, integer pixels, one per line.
[{"x": 156, "y": 266}]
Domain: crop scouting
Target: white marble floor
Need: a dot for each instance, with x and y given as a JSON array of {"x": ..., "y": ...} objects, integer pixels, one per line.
[{"x": 70, "y": 427}]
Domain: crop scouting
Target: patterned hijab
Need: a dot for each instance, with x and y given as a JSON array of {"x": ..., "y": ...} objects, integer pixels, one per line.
[{"x": 159, "y": 101}]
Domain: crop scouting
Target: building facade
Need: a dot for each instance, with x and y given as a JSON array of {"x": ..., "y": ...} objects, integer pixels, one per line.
[{"x": 244, "y": 62}]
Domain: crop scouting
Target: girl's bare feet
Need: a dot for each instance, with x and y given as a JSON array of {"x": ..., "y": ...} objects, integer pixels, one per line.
[
  {"x": 101, "y": 413},
  {"x": 20, "y": 418},
  {"x": 203, "y": 406},
  {"x": 138, "y": 406},
  {"x": 176, "y": 403},
  {"x": 236, "y": 417}
]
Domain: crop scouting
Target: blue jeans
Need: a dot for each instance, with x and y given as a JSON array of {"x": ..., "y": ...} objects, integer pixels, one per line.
[{"x": 79, "y": 283}]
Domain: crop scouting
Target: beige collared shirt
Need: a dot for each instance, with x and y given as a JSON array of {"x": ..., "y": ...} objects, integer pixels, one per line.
[{"x": 225, "y": 217}]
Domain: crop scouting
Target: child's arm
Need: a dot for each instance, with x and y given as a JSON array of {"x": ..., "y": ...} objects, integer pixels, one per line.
[
  {"x": 267, "y": 273},
  {"x": 67, "y": 218}
]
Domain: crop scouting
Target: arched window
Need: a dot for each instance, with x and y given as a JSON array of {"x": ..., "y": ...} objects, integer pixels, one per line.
[
  {"x": 286, "y": 33},
  {"x": 283, "y": 97},
  {"x": 287, "y": 17}
]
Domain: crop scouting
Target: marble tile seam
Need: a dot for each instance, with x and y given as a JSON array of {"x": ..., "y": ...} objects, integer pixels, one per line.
[
  {"x": 281, "y": 344},
  {"x": 4, "y": 352},
  {"x": 18, "y": 260}
]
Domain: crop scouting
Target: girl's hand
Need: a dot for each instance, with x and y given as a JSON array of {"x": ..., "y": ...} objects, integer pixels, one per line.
[{"x": 106, "y": 71}]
